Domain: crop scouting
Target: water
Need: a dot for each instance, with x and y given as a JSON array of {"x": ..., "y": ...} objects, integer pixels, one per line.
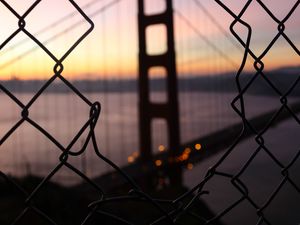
[
  {"x": 62, "y": 115},
  {"x": 262, "y": 177}
]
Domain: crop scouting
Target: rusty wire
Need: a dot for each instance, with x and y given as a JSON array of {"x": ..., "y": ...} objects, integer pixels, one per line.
[{"x": 170, "y": 211}]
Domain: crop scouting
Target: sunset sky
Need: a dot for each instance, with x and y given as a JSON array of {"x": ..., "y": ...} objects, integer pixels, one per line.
[{"x": 110, "y": 51}]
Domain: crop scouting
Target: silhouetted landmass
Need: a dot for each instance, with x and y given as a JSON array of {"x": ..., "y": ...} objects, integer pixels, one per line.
[
  {"x": 69, "y": 205},
  {"x": 282, "y": 78}
]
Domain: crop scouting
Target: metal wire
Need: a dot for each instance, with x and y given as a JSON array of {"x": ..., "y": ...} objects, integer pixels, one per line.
[
  {"x": 183, "y": 208},
  {"x": 234, "y": 179}
]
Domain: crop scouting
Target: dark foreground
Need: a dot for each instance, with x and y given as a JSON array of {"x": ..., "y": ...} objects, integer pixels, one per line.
[{"x": 70, "y": 206}]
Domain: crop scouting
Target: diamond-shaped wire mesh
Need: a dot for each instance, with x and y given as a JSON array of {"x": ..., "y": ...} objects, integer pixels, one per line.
[
  {"x": 238, "y": 104},
  {"x": 186, "y": 209}
]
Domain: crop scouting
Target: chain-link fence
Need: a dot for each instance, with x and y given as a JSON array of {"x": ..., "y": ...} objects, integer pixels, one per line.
[{"x": 39, "y": 201}]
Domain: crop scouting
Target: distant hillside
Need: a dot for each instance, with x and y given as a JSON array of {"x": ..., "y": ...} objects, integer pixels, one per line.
[{"x": 281, "y": 78}]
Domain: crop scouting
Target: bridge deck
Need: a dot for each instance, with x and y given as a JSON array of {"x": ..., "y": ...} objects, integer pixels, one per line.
[{"x": 211, "y": 145}]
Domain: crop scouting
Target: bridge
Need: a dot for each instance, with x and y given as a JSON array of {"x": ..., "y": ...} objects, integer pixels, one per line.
[
  {"x": 186, "y": 91},
  {"x": 117, "y": 82}
]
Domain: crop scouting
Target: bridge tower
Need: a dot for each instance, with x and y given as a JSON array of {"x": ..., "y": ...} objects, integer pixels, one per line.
[{"x": 148, "y": 110}]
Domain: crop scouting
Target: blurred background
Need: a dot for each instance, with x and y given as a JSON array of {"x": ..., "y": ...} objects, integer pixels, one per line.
[{"x": 104, "y": 67}]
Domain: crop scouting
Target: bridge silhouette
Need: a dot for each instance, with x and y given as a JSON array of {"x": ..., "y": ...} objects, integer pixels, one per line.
[
  {"x": 97, "y": 9},
  {"x": 163, "y": 135}
]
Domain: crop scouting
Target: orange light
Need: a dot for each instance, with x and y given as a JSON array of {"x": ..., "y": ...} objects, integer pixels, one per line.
[
  {"x": 198, "y": 147},
  {"x": 130, "y": 159},
  {"x": 158, "y": 162},
  {"x": 190, "y": 166},
  {"x": 161, "y": 148},
  {"x": 187, "y": 150},
  {"x": 135, "y": 154},
  {"x": 185, "y": 155}
]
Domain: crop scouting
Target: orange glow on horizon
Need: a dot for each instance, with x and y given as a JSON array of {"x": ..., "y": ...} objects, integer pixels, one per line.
[{"x": 111, "y": 50}]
